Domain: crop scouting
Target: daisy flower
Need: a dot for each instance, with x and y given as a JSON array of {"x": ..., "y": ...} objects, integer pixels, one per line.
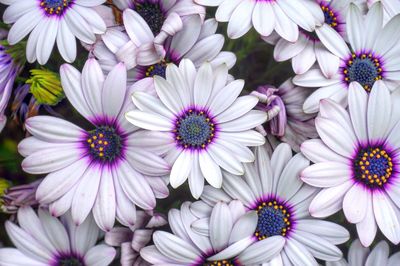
[
  {"x": 308, "y": 48},
  {"x": 157, "y": 19},
  {"x": 132, "y": 240},
  {"x": 43, "y": 240},
  {"x": 286, "y": 119},
  {"x": 196, "y": 41},
  {"x": 273, "y": 189},
  {"x": 50, "y": 21},
  {"x": 108, "y": 169},
  {"x": 373, "y": 55},
  {"x": 356, "y": 162},
  {"x": 202, "y": 120},
  {"x": 359, "y": 255},
  {"x": 223, "y": 237},
  {"x": 285, "y": 17}
]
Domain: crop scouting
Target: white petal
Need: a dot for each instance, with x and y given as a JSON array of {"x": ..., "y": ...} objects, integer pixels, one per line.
[
  {"x": 210, "y": 170},
  {"x": 355, "y": 203},
  {"x": 175, "y": 248},
  {"x": 104, "y": 208},
  {"x": 326, "y": 174},
  {"x": 332, "y": 40},
  {"x": 379, "y": 109},
  {"x": 181, "y": 169},
  {"x": 221, "y": 224},
  {"x": 298, "y": 253},
  {"x": 240, "y": 21},
  {"x": 85, "y": 194},
  {"x": 114, "y": 90},
  {"x": 386, "y": 216},
  {"x": 100, "y": 255},
  {"x": 262, "y": 251}
]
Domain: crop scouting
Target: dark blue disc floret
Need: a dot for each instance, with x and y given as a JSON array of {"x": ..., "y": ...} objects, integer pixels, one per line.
[
  {"x": 330, "y": 16},
  {"x": 55, "y": 7},
  {"x": 157, "y": 69},
  {"x": 105, "y": 144},
  {"x": 373, "y": 167},
  {"x": 152, "y": 14},
  {"x": 194, "y": 129},
  {"x": 364, "y": 68},
  {"x": 274, "y": 218},
  {"x": 220, "y": 263}
]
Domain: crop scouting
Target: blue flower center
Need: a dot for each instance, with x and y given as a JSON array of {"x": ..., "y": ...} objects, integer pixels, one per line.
[
  {"x": 194, "y": 129},
  {"x": 70, "y": 261},
  {"x": 330, "y": 16},
  {"x": 220, "y": 263},
  {"x": 364, "y": 68},
  {"x": 152, "y": 14},
  {"x": 373, "y": 167},
  {"x": 273, "y": 219},
  {"x": 158, "y": 69},
  {"x": 55, "y": 7},
  {"x": 105, "y": 144}
]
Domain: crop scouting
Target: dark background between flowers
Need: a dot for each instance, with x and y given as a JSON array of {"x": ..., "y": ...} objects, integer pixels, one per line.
[{"x": 255, "y": 64}]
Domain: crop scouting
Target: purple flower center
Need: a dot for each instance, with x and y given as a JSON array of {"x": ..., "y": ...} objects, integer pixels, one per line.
[
  {"x": 105, "y": 144},
  {"x": 363, "y": 68},
  {"x": 55, "y": 7},
  {"x": 274, "y": 218},
  {"x": 220, "y": 263},
  {"x": 152, "y": 14},
  {"x": 158, "y": 69},
  {"x": 330, "y": 16},
  {"x": 194, "y": 129},
  {"x": 373, "y": 167}
]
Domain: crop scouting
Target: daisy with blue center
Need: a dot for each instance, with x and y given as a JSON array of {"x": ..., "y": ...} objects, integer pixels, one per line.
[
  {"x": 357, "y": 162},
  {"x": 373, "y": 55},
  {"x": 43, "y": 240},
  {"x": 196, "y": 40},
  {"x": 204, "y": 122},
  {"x": 272, "y": 188},
  {"x": 309, "y": 49},
  {"x": 52, "y": 21},
  {"x": 218, "y": 236},
  {"x": 110, "y": 168}
]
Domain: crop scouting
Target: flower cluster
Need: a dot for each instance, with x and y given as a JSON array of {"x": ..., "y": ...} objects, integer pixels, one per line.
[{"x": 139, "y": 146}]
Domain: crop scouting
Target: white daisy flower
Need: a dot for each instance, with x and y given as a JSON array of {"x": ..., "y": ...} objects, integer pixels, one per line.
[
  {"x": 273, "y": 189},
  {"x": 223, "y": 237},
  {"x": 131, "y": 240},
  {"x": 356, "y": 162},
  {"x": 50, "y": 21},
  {"x": 374, "y": 55},
  {"x": 43, "y": 240},
  {"x": 108, "y": 169},
  {"x": 360, "y": 256},
  {"x": 156, "y": 19},
  {"x": 283, "y": 16},
  {"x": 308, "y": 49},
  {"x": 196, "y": 41},
  {"x": 202, "y": 120}
]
